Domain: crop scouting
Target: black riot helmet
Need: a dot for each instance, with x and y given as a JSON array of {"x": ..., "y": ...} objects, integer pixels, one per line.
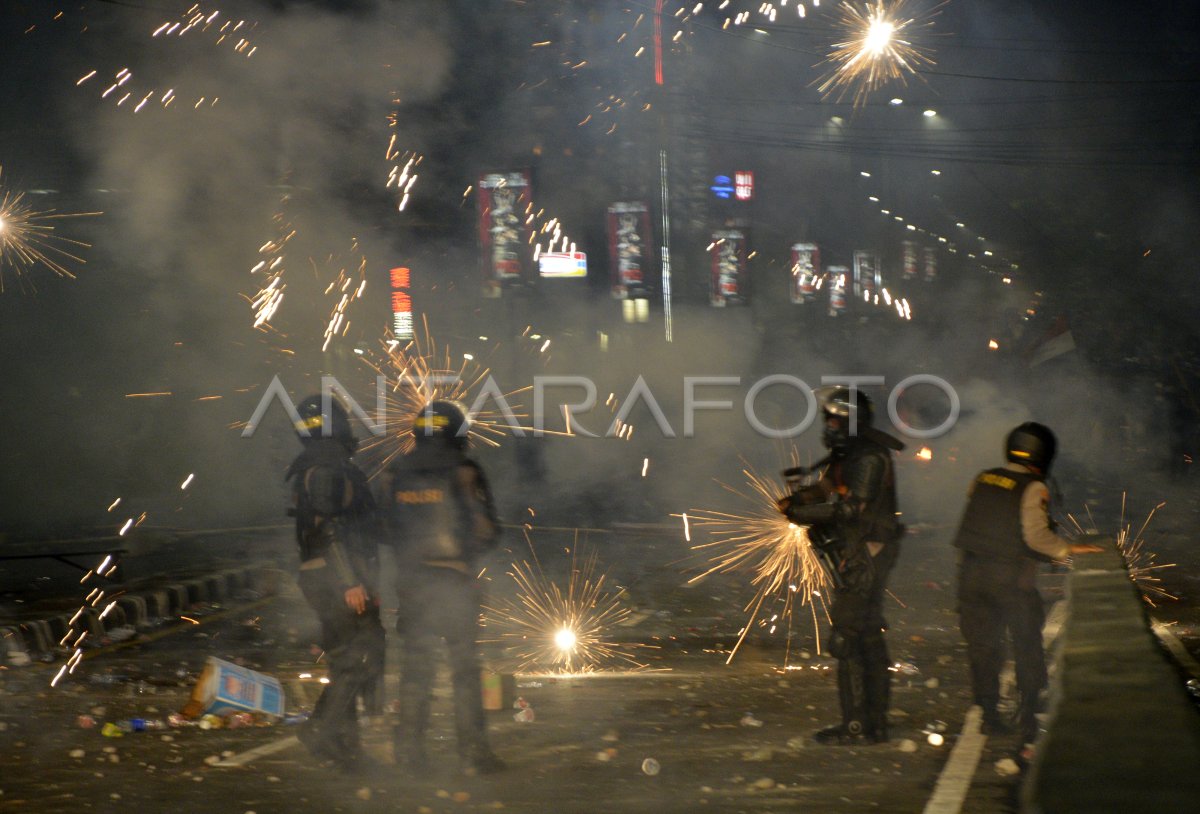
[
  {"x": 315, "y": 423},
  {"x": 442, "y": 420},
  {"x": 1031, "y": 444},
  {"x": 847, "y": 413}
]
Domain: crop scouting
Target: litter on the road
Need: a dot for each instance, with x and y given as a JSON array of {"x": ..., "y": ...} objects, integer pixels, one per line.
[{"x": 224, "y": 687}]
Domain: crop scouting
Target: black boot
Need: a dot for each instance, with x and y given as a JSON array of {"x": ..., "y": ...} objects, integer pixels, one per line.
[
  {"x": 482, "y": 760},
  {"x": 851, "y": 733}
]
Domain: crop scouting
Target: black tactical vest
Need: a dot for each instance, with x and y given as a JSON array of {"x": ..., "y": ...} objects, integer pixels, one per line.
[
  {"x": 341, "y": 491},
  {"x": 991, "y": 524},
  {"x": 427, "y": 508}
]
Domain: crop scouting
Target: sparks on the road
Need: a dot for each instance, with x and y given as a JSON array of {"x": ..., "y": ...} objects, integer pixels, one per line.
[{"x": 562, "y": 627}]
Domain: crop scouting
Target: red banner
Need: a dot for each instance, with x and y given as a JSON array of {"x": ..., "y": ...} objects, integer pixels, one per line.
[
  {"x": 806, "y": 270},
  {"x": 630, "y": 249},
  {"x": 837, "y": 282},
  {"x": 504, "y": 232},
  {"x": 729, "y": 277},
  {"x": 930, "y": 264},
  {"x": 866, "y": 275},
  {"x": 909, "y": 251}
]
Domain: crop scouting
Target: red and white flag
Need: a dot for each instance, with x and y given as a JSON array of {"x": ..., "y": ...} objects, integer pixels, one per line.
[{"x": 1055, "y": 342}]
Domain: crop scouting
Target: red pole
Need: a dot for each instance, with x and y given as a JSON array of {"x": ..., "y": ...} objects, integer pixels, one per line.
[{"x": 658, "y": 73}]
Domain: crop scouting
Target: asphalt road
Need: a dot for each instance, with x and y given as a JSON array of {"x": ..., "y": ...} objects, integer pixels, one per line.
[{"x": 730, "y": 737}]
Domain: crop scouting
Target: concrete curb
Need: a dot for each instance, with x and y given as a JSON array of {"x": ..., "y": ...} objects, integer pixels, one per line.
[{"x": 27, "y": 640}]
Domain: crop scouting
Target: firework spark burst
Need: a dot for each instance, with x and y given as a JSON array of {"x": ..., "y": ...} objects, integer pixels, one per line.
[
  {"x": 562, "y": 628},
  {"x": 1141, "y": 562},
  {"x": 28, "y": 238},
  {"x": 784, "y": 567},
  {"x": 875, "y": 49},
  {"x": 416, "y": 372}
]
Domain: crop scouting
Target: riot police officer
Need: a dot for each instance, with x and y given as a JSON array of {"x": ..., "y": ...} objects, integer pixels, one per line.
[
  {"x": 851, "y": 512},
  {"x": 442, "y": 519},
  {"x": 1004, "y": 533},
  {"x": 332, "y": 505}
]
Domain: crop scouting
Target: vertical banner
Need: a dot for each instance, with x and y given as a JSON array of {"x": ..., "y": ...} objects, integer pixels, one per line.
[
  {"x": 837, "y": 289},
  {"x": 630, "y": 249},
  {"x": 908, "y": 250},
  {"x": 400, "y": 280},
  {"x": 728, "y": 283},
  {"x": 930, "y": 264},
  {"x": 806, "y": 270},
  {"x": 866, "y": 275},
  {"x": 504, "y": 234}
]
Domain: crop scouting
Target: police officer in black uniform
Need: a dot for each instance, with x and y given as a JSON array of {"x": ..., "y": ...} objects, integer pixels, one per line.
[
  {"x": 332, "y": 505},
  {"x": 851, "y": 512},
  {"x": 1006, "y": 531},
  {"x": 442, "y": 520}
]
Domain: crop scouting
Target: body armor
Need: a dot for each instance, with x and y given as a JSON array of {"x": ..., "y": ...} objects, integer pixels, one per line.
[{"x": 991, "y": 524}]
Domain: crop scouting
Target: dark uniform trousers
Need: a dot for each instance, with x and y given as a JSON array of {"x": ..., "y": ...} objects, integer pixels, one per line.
[
  {"x": 354, "y": 648},
  {"x": 437, "y": 604},
  {"x": 995, "y": 596},
  {"x": 857, "y": 641}
]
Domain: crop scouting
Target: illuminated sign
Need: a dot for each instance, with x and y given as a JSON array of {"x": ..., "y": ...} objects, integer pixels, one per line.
[
  {"x": 562, "y": 264},
  {"x": 722, "y": 187},
  {"x": 402, "y": 313},
  {"x": 743, "y": 185}
]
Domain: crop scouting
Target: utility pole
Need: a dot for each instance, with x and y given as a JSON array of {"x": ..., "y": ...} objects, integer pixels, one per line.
[{"x": 663, "y": 180}]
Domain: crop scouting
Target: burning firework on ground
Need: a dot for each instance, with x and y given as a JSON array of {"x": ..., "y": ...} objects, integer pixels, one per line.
[
  {"x": 28, "y": 239},
  {"x": 562, "y": 627},
  {"x": 1142, "y": 565},
  {"x": 785, "y": 569},
  {"x": 875, "y": 48},
  {"x": 416, "y": 372}
]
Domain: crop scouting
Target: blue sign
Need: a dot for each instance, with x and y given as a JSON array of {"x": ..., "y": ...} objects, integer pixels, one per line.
[{"x": 722, "y": 186}]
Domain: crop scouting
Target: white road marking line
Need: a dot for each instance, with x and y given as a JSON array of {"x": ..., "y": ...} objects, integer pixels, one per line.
[
  {"x": 955, "y": 779},
  {"x": 259, "y": 751}
]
